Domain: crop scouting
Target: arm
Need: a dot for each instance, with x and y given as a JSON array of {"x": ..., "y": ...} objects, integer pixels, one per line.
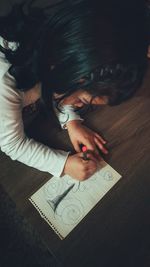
[
  {"x": 78, "y": 133},
  {"x": 15, "y": 144},
  {"x": 18, "y": 146},
  {"x": 13, "y": 140}
]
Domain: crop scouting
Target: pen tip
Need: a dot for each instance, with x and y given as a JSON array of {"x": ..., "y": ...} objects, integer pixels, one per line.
[{"x": 84, "y": 149}]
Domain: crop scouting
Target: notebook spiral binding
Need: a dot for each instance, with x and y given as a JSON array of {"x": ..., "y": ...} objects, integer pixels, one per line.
[{"x": 46, "y": 219}]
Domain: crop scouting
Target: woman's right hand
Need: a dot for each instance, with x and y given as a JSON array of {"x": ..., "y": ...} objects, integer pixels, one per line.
[{"x": 81, "y": 169}]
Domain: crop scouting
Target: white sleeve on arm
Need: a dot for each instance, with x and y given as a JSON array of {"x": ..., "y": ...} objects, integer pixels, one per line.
[
  {"x": 16, "y": 144},
  {"x": 66, "y": 114}
]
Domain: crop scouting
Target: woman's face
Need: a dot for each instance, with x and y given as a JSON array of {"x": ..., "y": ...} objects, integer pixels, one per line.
[{"x": 81, "y": 98}]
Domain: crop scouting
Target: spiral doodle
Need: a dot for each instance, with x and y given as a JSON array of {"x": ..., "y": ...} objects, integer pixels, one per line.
[
  {"x": 107, "y": 175},
  {"x": 70, "y": 211}
]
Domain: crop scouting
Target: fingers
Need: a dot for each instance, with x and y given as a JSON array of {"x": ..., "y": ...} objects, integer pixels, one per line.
[
  {"x": 76, "y": 146},
  {"x": 90, "y": 157},
  {"x": 93, "y": 142},
  {"x": 100, "y": 145},
  {"x": 78, "y": 168},
  {"x": 93, "y": 157},
  {"x": 100, "y": 138},
  {"x": 82, "y": 169},
  {"x": 91, "y": 166},
  {"x": 94, "y": 145},
  {"x": 96, "y": 142},
  {"x": 90, "y": 144}
]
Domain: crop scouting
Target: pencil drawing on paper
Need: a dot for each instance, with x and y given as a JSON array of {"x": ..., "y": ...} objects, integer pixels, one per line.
[
  {"x": 64, "y": 202},
  {"x": 107, "y": 175},
  {"x": 55, "y": 201},
  {"x": 70, "y": 211}
]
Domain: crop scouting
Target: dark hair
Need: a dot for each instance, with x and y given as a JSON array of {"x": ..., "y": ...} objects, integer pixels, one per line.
[{"x": 103, "y": 43}]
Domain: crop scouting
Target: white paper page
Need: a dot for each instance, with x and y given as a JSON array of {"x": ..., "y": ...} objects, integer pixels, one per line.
[{"x": 64, "y": 212}]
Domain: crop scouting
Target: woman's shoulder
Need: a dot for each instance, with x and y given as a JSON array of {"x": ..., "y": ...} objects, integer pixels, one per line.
[
  {"x": 7, "y": 82},
  {"x": 4, "y": 65},
  {"x": 8, "y": 88},
  {"x": 8, "y": 45}
]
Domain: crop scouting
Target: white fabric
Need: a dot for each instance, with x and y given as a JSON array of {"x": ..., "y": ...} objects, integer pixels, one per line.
[
  {"x": 8, "y": 45},
  {"x": 13, "y": 140},
  {"x": 66, "y": 114}
]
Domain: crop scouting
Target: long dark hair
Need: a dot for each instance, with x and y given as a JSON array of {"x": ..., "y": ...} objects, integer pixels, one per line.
[{"x": 103, "y": 43}]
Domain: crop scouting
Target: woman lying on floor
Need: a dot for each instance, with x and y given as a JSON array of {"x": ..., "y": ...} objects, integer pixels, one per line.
[{"x": 83, "y": 53}]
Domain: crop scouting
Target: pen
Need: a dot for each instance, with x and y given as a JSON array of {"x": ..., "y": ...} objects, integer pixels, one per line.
[{"x": 85, "y": 152}]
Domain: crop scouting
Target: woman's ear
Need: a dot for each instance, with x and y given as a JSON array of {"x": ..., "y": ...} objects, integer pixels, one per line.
[
  {"x": 57, "y": 96},
  {"x": 100, "y": 100}
]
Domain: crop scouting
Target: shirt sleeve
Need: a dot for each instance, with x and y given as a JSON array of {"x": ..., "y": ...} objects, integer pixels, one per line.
[
  {"x": 13, "y": 140},
  {"x": 65, "y": 114}
]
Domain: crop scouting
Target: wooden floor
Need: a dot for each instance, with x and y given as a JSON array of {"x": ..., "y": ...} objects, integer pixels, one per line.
[{"x": 117, "y": 231}]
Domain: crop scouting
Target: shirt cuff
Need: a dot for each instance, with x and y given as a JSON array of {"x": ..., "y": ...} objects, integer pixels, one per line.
[
  {"x": 66, "y": 114},
  {"x": 59, "y": 160}
]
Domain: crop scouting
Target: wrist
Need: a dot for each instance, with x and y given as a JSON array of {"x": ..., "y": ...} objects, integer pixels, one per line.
[
  {"x": 73, "y": 123},
  {"x": 66, "y": 166}
]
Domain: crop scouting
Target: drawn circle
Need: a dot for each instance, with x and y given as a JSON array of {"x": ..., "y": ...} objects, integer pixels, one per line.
[
  {"x": 107, "y": 175},
  {"x": 70, "y": 211},
  {"x": 84, "y": 186}
]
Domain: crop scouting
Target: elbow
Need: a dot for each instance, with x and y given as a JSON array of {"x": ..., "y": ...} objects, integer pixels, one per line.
[{"x": 12, "y": 148}]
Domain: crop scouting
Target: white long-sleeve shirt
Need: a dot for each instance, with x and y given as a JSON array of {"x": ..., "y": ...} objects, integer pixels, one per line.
[{"x": 13, "y": 140}]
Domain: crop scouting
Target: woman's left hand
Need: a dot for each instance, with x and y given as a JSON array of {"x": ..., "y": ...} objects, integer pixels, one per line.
[{"x": 80, "y": 134}]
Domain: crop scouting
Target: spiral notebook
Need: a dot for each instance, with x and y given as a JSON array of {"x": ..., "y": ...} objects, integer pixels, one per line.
[{"x": 64, "y": 202}]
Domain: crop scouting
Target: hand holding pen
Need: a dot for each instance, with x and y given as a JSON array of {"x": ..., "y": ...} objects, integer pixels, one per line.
[
  {"x": 87, "y": 152},
  {"x": 81, "y": 165}
]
